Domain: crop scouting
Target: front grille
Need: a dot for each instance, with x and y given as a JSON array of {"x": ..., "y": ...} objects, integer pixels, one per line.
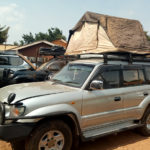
[{"x": 1, "y": 113}]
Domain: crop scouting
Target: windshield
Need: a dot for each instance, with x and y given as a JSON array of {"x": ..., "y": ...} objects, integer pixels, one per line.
[
  {"x": 73, "y": 74},
  {"x": 10, "y": 60},
  {"x": 54, "y": 65}
]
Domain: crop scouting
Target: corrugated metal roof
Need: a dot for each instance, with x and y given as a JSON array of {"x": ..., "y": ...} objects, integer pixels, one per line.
[
  {"x": 35, "y": 43},
  {"x": 62, "y": 40},
  {"x": 7, "y": 47}
]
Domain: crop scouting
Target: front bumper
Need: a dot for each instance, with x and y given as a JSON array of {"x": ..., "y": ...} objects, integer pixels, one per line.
[{"x": 15, "y": 131}]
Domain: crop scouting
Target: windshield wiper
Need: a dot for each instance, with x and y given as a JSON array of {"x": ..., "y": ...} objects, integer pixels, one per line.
[
  {"x": 56, "y": 80},
  {"x": 71, "y": 82}
]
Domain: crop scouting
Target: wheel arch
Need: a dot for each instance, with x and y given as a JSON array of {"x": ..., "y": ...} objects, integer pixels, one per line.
[
  {"x": 145, "y": 111},
  {"x": 69, "y": 118}
]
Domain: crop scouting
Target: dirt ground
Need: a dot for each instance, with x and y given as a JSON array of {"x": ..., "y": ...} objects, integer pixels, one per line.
[{"x": 128, "y": 140}]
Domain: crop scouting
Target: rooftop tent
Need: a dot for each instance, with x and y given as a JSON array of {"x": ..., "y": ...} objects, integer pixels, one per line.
[{"x": 96, "y": 33}]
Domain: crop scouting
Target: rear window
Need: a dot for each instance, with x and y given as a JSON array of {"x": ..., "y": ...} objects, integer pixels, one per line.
[
  {"x": 133, "y": 77},
  {"x": 12, "y": 61}
]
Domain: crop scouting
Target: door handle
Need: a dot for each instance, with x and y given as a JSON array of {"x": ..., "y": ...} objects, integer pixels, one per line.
[
  {"x": 145, "y": 94},
  {"x": 117, "y": 99}
]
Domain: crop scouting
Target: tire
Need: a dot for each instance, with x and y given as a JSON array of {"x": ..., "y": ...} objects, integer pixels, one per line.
[
  {"x": 17, "y": 145},
  {"x": 145, "y": 129},
  {"x": 59, "y": 133}
]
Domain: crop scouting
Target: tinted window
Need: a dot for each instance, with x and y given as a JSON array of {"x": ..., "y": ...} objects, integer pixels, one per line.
[
  {"x": 55, "y": 66},
  {"x": 4, "y": 61},
  {"x": 133, "y": 77},
  {"x": 52, "y": 65},
  {"x": 147, "y": 73},
  {"x": 110, "y": 79}
]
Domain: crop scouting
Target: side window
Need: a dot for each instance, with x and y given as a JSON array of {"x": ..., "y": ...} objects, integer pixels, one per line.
[
  {"x": 15, "y": 61},
  {"x": 11, "y": 61},
  {"x": 133, "y": 77},
  {"x": 110, "y": 79},
  {"x": 4, "y": 60},
  {"x": 56, "y": 65},
  {"x": 62, "y": 64},
  {"x": 147, "y": 73}
]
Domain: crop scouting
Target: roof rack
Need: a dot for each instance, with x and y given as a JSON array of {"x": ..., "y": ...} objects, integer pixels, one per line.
[
  {"x": 57, "y": 51},
  {"x": 114, "y": 56}
]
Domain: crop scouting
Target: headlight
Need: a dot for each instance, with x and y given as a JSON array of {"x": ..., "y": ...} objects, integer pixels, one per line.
[
  {"x": 2, "y": 111},
  {"x": 12, "y": 111}
]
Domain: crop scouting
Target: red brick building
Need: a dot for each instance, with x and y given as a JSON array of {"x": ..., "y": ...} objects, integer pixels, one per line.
[{"x": 32, "y": 50}]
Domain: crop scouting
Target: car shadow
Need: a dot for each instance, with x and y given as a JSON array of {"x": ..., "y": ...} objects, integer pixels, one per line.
[{"x": 112, "y": 142}]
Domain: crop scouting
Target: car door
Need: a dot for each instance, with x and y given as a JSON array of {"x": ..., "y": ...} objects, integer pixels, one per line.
[
  {"x": 134, "y": 90},
  {"x": 105, "y": 105}
]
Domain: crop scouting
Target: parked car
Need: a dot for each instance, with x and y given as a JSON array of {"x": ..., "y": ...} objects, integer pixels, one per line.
[
  {"x": 87, "y": 99},
  {"x": 16, "y": 68},
  {"x": 13, "y": 62},
  {"x": 44, "y": 72}
]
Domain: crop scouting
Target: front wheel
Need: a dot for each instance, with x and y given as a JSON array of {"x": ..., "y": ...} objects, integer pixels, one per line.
[{"x": 53, "y": 135}]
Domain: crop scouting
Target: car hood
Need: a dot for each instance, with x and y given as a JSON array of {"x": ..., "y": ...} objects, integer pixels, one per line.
[{"x": 35, "y": 89}]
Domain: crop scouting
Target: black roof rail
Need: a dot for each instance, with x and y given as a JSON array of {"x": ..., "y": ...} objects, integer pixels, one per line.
[
  {"x": 129, "y": 57},
  {"x": 113, "y": 56}
]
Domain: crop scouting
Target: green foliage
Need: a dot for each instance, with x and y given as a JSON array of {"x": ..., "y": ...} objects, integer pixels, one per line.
[
  {"x": 3, "y": 34},
  {"x": 16, "y": 44},
  {"x": 27, "y": 39},
  {"x": 51, "y": 35}
]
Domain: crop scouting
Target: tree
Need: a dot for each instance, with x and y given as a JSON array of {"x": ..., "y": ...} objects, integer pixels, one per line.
[
  {"x": 3, "y": 34},
  {"x": 28, "y": 38},
  {"x": 16, "y": 44},
  {"x": 51, "y": 35}
]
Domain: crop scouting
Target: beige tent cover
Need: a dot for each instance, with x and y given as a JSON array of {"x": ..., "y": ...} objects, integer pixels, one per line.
[{"x": 96, "y": 33}]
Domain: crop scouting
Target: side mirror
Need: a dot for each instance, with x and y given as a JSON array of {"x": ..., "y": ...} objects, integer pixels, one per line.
[
  {"x": 96, "y": 84},
  {"x": 11, "y": 97},
  {"x": 50, "y": 76}
]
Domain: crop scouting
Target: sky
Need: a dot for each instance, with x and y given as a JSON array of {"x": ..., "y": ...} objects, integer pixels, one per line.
[{"x": 24, "y": 16}]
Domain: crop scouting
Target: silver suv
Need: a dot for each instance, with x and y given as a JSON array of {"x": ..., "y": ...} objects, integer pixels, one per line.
[{"x": 87, "y": 99}]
